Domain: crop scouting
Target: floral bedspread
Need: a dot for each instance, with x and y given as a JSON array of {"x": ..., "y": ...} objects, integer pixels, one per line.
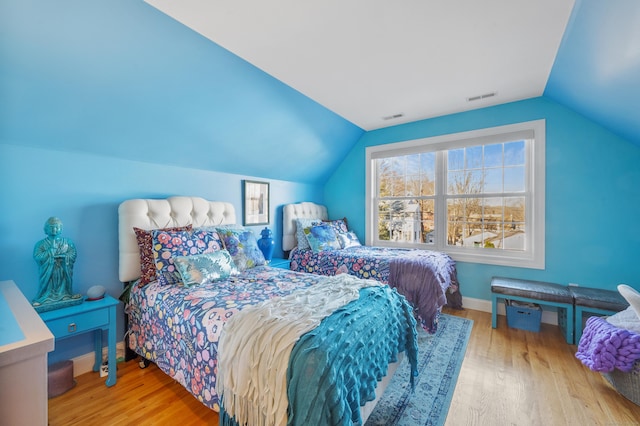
[
  {"x": 178, "y": 328},
  {"x": 438, "y": 273}
]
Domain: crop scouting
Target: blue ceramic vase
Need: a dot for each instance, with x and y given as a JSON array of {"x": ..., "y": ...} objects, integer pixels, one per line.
[{"x": 266, "y": 244}]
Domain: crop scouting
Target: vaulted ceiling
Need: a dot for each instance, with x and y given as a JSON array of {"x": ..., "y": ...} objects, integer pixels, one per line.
[
  {"x": 379, "y": 63},
  {"x": 238, "y": 87}
]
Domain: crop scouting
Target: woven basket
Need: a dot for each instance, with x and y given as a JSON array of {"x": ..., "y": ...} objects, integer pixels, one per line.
[{"x": 627, "y": 384}]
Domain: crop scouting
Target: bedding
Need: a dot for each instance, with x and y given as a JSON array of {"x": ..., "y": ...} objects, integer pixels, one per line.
[
  {"x": 424, "y": 277},
  {"x": 428, "y": 279},
  {"x": 354, "y": 313},
  {"x": 178, "y": 325}
]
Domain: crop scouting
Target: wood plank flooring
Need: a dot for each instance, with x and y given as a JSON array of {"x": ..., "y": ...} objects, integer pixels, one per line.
[{"x": 509, "y": 377}]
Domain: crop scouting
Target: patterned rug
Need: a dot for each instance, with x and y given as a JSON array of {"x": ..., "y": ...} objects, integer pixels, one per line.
[{"x": 440, "y": 357}]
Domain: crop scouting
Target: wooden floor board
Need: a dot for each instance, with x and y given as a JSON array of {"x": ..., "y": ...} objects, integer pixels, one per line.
[{"x": 508, "y": 377}]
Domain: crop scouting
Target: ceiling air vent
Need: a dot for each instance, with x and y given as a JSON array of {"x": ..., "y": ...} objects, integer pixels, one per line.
[
  {"x": 485, "y": 96},
  {"x": 392, "y": 117}
]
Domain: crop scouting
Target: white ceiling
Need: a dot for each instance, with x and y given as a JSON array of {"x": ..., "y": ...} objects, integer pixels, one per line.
[{"x": 370, "y": 59}]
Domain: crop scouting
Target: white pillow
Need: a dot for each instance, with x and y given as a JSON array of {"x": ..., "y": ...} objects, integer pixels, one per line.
[
  {"x": 632, "y": 296},
  {"x": 348, "y": 239},
  {"x": 627, "y": 320}
]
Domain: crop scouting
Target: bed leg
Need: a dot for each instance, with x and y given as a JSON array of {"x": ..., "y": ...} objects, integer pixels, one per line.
[{"x": 143, "y": 363}]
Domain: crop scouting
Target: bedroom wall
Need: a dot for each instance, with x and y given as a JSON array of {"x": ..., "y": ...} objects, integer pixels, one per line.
[
  {"x": 84, "y": 191},
  {"x": 105, "y": 100},
  {"x": 592, "y": 195},
  {"x": 119, "y": 78}
]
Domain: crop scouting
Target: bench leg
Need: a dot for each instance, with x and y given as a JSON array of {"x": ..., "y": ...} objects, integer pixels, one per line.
[
  {"x": 578, "y": 324},
  {"x": 569, "y": 332},
  {"x": 494, "y": 310}
]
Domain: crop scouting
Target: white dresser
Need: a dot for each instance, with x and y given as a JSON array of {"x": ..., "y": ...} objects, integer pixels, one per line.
[{"x": 25, "y": 341}]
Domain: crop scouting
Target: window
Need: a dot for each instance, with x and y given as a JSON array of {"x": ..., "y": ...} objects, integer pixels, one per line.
[{"x": 478, "y": 195}]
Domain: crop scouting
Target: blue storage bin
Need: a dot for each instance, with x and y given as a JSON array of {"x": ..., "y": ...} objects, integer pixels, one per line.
[{"x": 525, "y": 316}]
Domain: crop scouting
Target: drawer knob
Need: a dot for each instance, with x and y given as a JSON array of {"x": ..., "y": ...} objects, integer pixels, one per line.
[{"x": 72, "y": 327}]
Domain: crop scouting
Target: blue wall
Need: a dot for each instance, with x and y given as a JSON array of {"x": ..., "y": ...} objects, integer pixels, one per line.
[
  {"x": 119, "y": 78},
  {"x": 84, "y": 191},
  {"x": 105, "y": 100},
  {"x": 592, "y": 194}
]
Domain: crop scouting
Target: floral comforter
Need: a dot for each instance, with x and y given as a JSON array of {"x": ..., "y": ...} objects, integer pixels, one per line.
[
  {"x": 178, "y": 328},
  {"x": 428, "y": 279}
]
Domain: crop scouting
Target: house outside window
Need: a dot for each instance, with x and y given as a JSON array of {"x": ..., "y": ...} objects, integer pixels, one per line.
[{"x": 477, "y": 195}]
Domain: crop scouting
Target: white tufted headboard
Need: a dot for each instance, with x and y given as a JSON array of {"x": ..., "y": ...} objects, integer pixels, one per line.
[
  {"x": 291, "y": 212},
  {"x": 163, "y": 213}
]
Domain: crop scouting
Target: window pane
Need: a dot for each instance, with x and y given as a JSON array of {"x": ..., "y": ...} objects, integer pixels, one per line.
[
  {"x": 493, "y": 155},
  {"x": 514, "y": 179},
  {"x": 514, "y": 153},
  {"x": 384, "y": 215},
  {"x": 464, "y": 182},
  {"x": 493, "y": 180},
  {"x": 428, "y": 170},
  {"x": 427, "y": 216},
  {"x": 455, "y": 159},
  {"x": 455, "y": 220},
  {"x": 474, "y": 157},
  {"x": 514, "y": 233},
  {"x": 403, "y": 221}
]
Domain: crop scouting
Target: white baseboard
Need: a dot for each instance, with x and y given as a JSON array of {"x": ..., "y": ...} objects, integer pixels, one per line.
[
  {"x": 84, "y": 363},
  {"x": 548, "y": 317}
]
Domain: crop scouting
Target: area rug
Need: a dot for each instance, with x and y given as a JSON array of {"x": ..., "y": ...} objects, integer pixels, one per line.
[{"x": 440, "y": 357}]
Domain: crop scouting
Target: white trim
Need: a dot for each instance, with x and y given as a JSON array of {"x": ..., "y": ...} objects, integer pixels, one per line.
[{"x": 84, "y": 363}]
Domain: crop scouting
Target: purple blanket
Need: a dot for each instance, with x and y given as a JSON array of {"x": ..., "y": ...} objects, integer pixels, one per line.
[
  {"x": 417, "y": 276},
  {"x": 604, "y": 347},
  {"x": 433, "y": 278}
]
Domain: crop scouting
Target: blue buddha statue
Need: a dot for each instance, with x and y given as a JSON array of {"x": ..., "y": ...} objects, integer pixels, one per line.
[{"x": 55, "y": 256}]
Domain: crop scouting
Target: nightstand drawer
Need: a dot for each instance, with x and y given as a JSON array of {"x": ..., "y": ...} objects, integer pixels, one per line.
[{"x": 78, "y": 323}]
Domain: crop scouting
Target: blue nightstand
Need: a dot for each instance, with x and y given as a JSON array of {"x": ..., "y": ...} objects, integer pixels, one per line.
[
  {"x": 95, "y": 315},
  {"x": 277, "y": 262}
]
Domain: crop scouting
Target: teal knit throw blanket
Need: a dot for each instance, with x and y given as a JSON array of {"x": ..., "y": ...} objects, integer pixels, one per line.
[{"x": 334, "y": 369}]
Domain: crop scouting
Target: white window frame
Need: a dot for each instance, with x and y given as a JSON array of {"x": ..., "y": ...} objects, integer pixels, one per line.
[{"x": 534, "y": 131}]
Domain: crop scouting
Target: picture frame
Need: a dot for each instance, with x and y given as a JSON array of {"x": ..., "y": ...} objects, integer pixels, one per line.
[{"x": 256, "y": 203}]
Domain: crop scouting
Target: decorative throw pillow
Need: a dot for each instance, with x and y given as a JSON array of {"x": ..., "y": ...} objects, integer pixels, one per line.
[
  {"x": 242, "y": 246},
  {"x": 203, "y": 268},
  {"x": 348, "y": 239},
  {"x": 339, "y": 225},
  {"x": 145, "y": 246},
  {"x": 170, "y": 244},
  {"x": 322, "y": 237},
  {"x": 301, "y": 238}
]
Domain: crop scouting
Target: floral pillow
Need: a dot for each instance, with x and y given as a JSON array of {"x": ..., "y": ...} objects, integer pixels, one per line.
[
  {"x": 339, "y": 225},
  {"x": 322, "y": 237},
  {"x": 145, "y": 246},
  {"x": 204, "y": 268},
  {"x": 242, "y": 246},
  {"x": 168, "y": 245},
  {"x": 348, "y": 239},
  {"x": 301, "y": 224}
]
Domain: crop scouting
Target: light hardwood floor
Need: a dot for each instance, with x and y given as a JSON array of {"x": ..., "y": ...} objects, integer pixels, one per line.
[{"x": 509, "y": 377}]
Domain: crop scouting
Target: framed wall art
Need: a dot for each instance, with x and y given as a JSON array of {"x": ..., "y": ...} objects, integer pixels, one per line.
[{"x": 256, "y": 203}]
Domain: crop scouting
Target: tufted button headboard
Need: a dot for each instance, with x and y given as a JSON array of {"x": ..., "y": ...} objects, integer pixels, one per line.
[
  {"x": 163, "y": 213},
  {"x": 291, "y": 212}
]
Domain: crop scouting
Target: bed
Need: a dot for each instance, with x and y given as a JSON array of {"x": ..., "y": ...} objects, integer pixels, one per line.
[
  {"x": 427, "y": 278},
  {"x": 181, "y": 326}
]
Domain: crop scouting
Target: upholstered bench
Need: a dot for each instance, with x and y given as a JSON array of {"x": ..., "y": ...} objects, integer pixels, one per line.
[
  {"x": 596, "y": 301},
  {"x": 539, "y": 292}
]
